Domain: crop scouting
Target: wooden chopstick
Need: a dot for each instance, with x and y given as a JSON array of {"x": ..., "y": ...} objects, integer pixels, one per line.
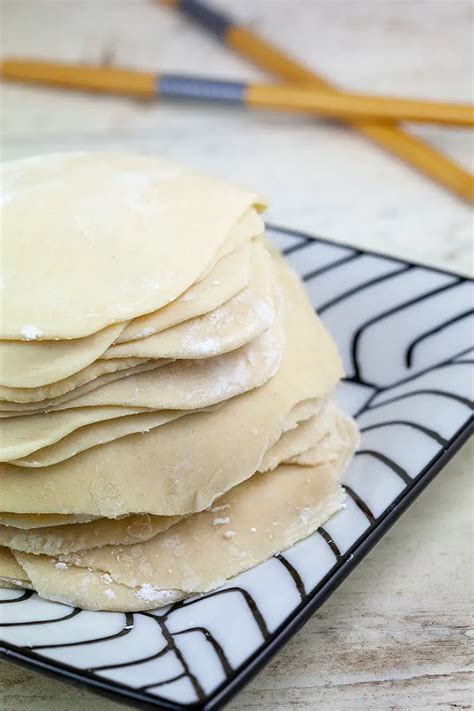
[
  {"x": 264, "y": 96},
  {"x": 107, "y": 80},
  {"x": 405, "y": 146},
  {"x": 357, "y": 106}
]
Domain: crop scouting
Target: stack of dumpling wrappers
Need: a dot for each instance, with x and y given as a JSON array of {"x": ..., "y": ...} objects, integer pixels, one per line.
[{"x": 166, "y": 390}]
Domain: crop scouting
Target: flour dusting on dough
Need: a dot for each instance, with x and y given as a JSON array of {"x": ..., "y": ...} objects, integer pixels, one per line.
[
  {"x": 221, "y": 521},
  {"x": 150, "y": 284},
  {"x": 149, "y": 593},
  {"x": 207, "y": 346},
  {"x": 30, "y": 332},
  {"x": 148, "y": 331}
]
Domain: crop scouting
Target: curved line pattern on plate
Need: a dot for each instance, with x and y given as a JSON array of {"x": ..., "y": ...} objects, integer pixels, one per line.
[
  {"x": 256, "y": 603},
  {"x": 300, "y": 586},
  {"x": 360, "y": 287},
  {"x": 226, "y": 666},
  {"x": 432, "y": 332},
  {"x": 126, "y": 629},
  {"x": 330, "y": 541}
]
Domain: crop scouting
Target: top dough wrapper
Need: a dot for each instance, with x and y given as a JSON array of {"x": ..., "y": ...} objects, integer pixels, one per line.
[{"x": 93, "y": 239}]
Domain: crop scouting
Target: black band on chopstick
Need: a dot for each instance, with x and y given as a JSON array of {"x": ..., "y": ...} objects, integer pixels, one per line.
[
  {"x": 216, "y": 22},
  {"x": 188, "y": 87}
]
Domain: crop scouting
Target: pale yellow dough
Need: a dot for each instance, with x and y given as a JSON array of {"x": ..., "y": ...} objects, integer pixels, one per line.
[
  {"x": 229, "y": 276},
  {"x": 217, "y": 450},
  {"x": 248, "y": 227},
  {"x": 192, "y": 384},
  {"x": 301, "y": 412},
  {"x": 14, "y": 409},
  {"x": 238, "y": 321},
  {"x": 69, "y": 538},
  {"x": 113, "y": 423},
  {"x": 146, "y": 401},
  {"x": 37, "y": 363},
  {"x": 202, "y": 551},
  {"x": 110, "y": 236},
  {"x": 11, "y": 573},
  {"x": 33, "y": 397},
  {"x": 28, "y": 522},
  {"x": 59, "y": 539},
  {"x": 166, "y": 409},
  {"x": 36, "y": 366},
  {"x": 299, "y": 439},
  {"x": 322, "y": 451}
]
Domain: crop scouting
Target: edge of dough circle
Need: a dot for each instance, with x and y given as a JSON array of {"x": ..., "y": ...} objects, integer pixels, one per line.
[{"x": 110, "y": 237}]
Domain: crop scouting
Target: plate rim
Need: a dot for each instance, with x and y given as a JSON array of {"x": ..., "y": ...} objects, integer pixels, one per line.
[
  {"x": 302, "y": 234},
  {"x": 300, "y": 615}
]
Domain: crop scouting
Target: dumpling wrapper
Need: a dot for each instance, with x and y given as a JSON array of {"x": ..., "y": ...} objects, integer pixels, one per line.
[
  {"x": 144, "y": 401},
  {"x": 192, "y": 384},
  {"x": 231, "y": 325},
  {"x": 13, "y": 409},
  {"x": 200, "y": 552},
  {"x": 12, "y": 575},
  {"x": 69, "y": 538},
  {"x": 35, "y": 364},
  {"x": 308, "y": 434},
  {"x": 60, "y": 539},
  {"x": 199, "y": 457},
  {"x": 248, "y": 227},
  {"x": 38, "y": 366},
  {"x": 299, "y": 413},
  {"x": 19, "y": 398},
  {"x": 105, "y": 229},
  {"x": 96, "y": 434},
  {"x": 25, "y": 521},
  {"x": 228, "y": 277}
]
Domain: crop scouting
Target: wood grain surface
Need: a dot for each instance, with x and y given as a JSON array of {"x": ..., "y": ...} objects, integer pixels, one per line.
[{"x": 398, "y": 633}]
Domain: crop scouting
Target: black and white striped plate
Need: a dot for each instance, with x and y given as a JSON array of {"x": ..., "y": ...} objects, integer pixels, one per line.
[{"x": 406, "y": 336}]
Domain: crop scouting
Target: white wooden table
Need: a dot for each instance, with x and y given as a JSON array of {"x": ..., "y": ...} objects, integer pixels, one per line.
[{"x": 396, "y": 635}]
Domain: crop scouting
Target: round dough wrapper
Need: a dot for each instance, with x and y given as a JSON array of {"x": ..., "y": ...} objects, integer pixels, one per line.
[
  {"x": 34, "y": 396},
  {"x": 301, "y": 412},
  {"x": 217, "y": 450},
  {"x": 98, "y": 434},
  {"x": 20, "y": 436},
  {"x": 69, "y": 538},
  {"x": 60, "y": 539},
  {"x": 238, "y": 321},
  {"x": 322, "y": 453},
  {"x": 202, "y": 551},
  {"x": 182, "y": 557},
  {"x": 186, "y": 387},
  {"x": 33, "y": 364},
  {"x": 11, "y": 573},
  {"x": 32, "y": 521},
  {"x": 229, "y": 276},
  {"x": 47, "y": 359},
  {"x": 247, "y": 228},
  {"x": 305, "y": 435},
  {"x": 114, "y": 236},
  {"x": 192, "y": 384},
  {"x": 13, "y": 409}
]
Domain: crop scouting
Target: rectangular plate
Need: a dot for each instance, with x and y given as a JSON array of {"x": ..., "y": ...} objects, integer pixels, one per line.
[{"x": 405, "y": 334}]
